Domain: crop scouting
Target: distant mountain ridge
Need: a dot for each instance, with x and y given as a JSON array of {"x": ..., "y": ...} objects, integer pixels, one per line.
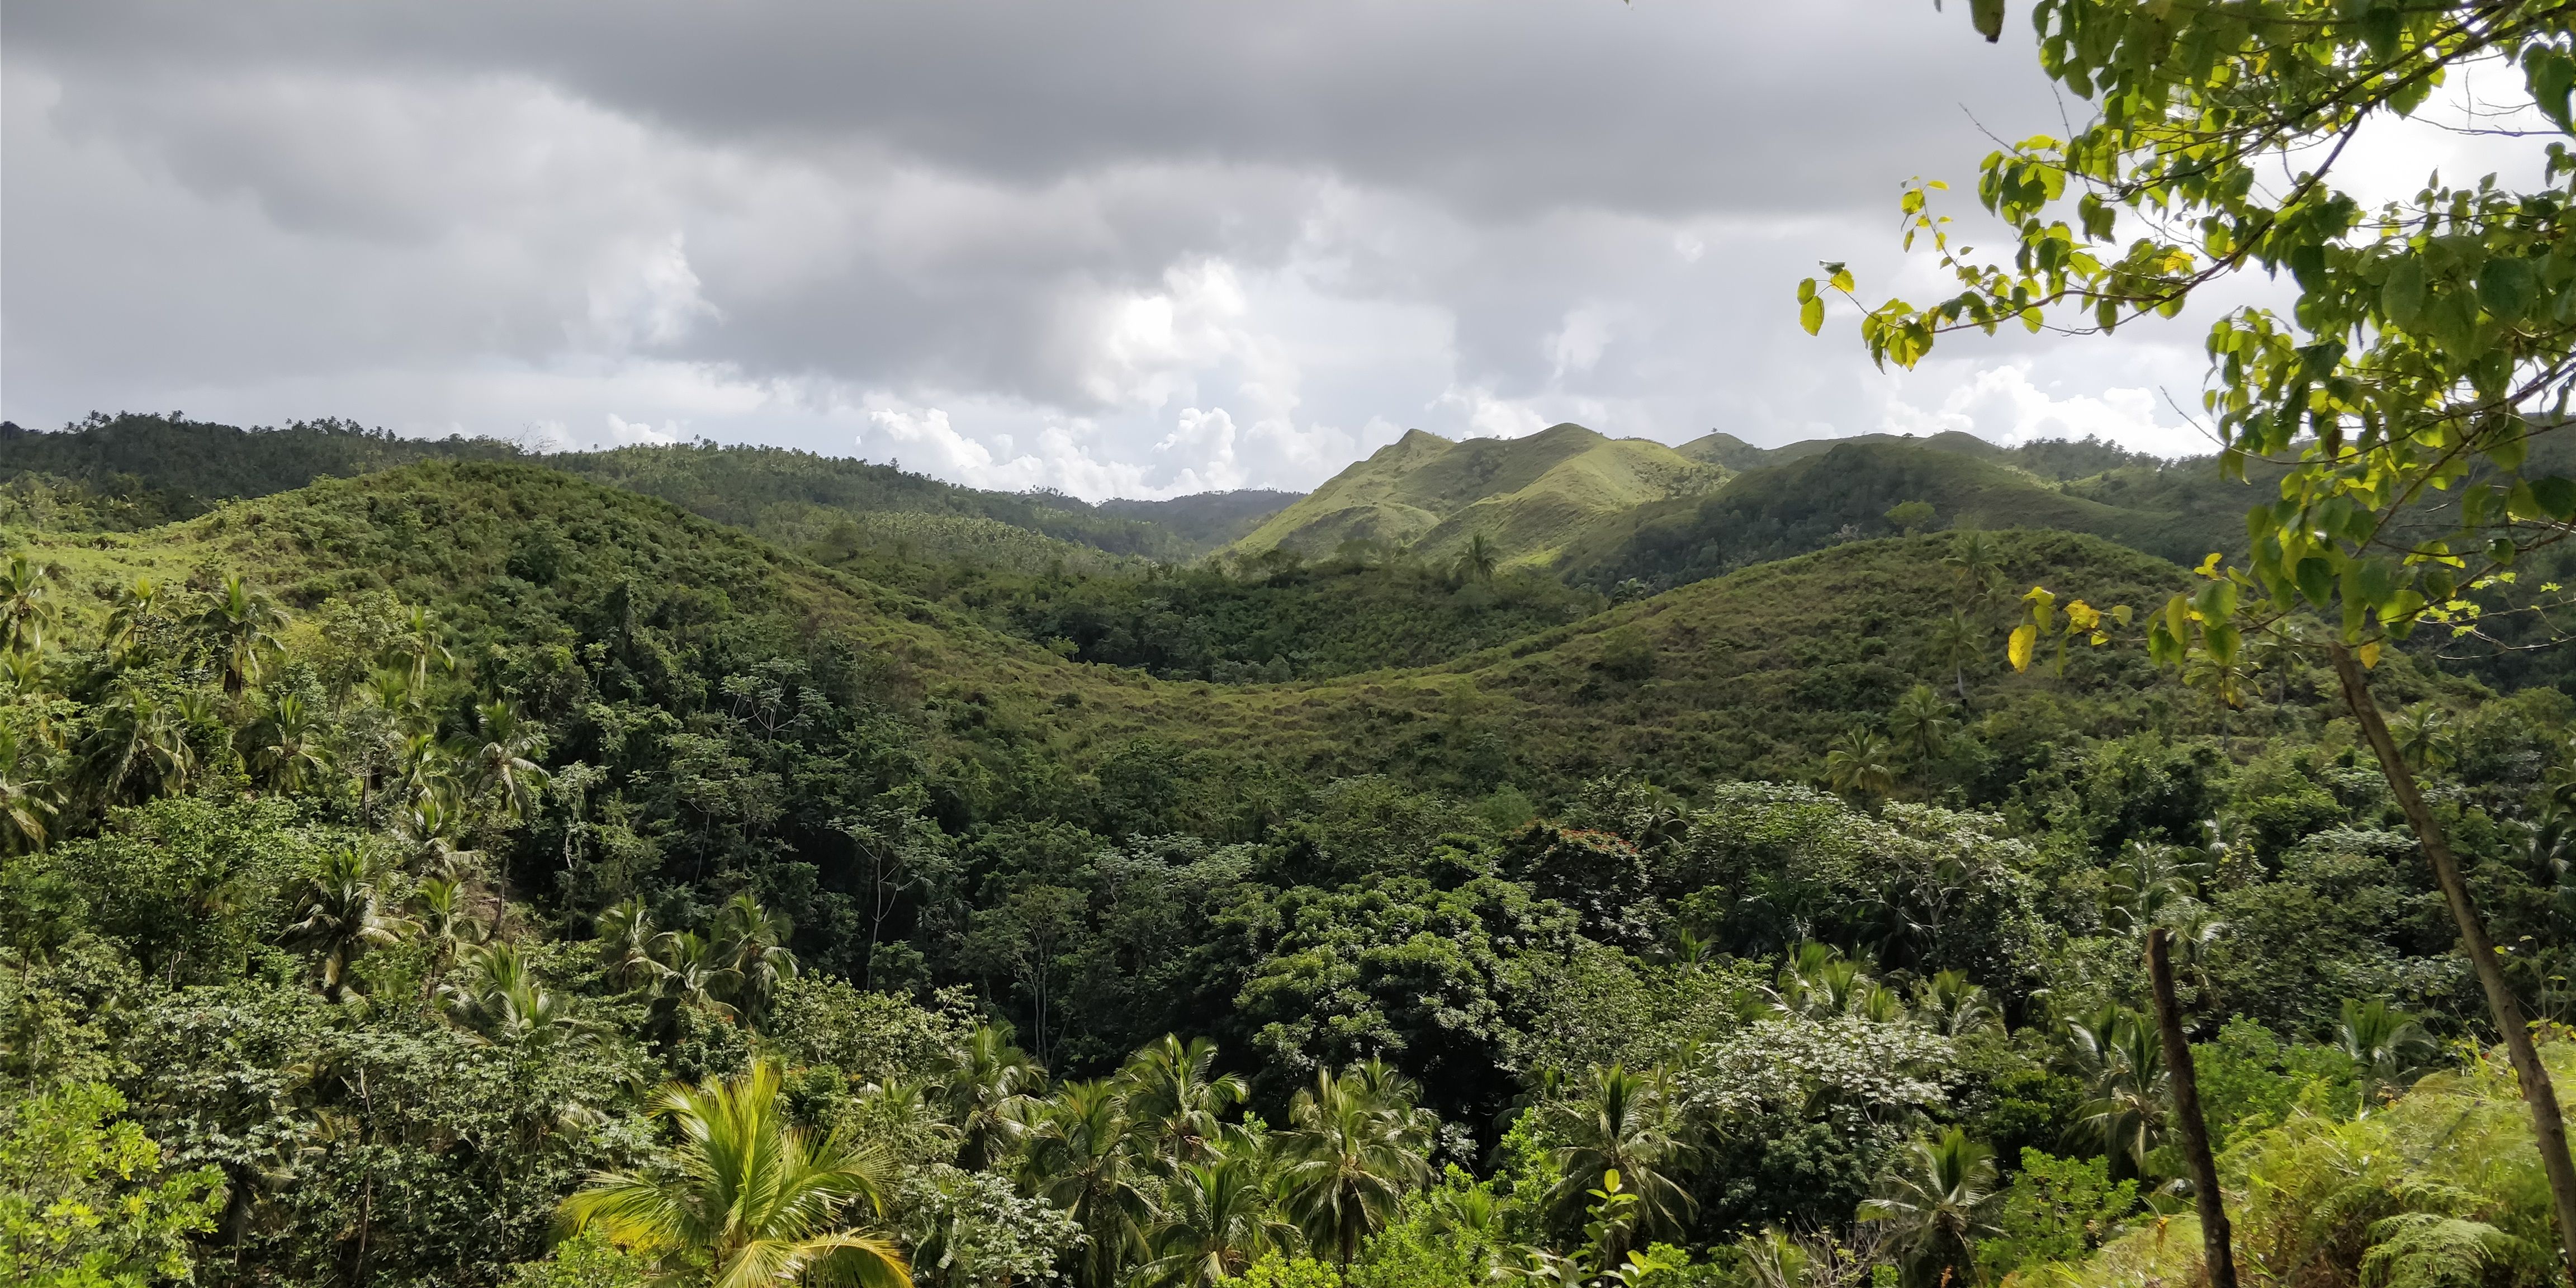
[
  {"x": 1525, "y": 496},
  {"x": 153, "y": 469}
]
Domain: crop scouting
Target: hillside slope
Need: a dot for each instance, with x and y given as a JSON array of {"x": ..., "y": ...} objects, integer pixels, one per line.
[
  {"x": 1846, "y": 490},
  {"x": 1525, "y": 496},
  {"x": 132, "y": 471},
  {"x": 1744, "y": 675}
]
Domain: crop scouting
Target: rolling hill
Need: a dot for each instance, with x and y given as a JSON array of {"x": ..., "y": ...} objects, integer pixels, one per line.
[
  {"x": 1526, "y": 496},
  {"x": 133, "y": 471},
  {"x": 1748, "y": 674},
  {"x": 1816, "y": 494}
]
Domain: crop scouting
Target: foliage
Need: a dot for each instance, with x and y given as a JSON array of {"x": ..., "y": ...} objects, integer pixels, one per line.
[{"x": 86, "y": 1202}]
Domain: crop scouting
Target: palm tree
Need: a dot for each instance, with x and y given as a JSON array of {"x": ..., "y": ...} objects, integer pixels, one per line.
[
  {"x": 629, "y": 946},
  {"x": 289, "y": 748},
  {"x": 1977, "y": 565},
  {"x": 1176, "y": 1099},
  {"x": 1934, "y": 1203},
  {"x": 1078, "y": 1159},
  {"x": 2423, "y": 736},
  {"x": 497, "y": 997},
  {"x": 1949, "y": 1005},
  {"x": 26, "y": 603},
  {"x": 751, "y": 946},
  {"x": 417, "y": 650},
  {"x": 1351, "y": 1158},
  {"x": 746, "y": 1200},
  {"x": 425, "y": 770},
  {"x": 1216, "y": 1219},
  {"x": 2148, "y": 881},
  {"x": 1920, "y": 727},
  {"x": 141, "y": 742},
  {"x": 1623, "y": 1122},
  {"x": 503, "y": 764},
  {"x": 2122, "y": 1062},
  {"x": 447, "y": 922},
  {"x": 692, "y": 978},
  {"x": 341, "y": 915},
  {"x": 137, "y": 611},
  {"x": 1957, "y": 644},
  {"x": 1857, "y": 764},
  {"x": 2386, "y": 1045},
  {"x": 1476, "y": 562},
  {"x": 243, "y": 626},
  {"x": 26, "y": 801},
  {"x": 987, "y": 1084}
]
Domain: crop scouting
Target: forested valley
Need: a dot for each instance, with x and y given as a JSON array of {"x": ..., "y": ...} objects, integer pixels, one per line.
[{"x": 472, "y": 874}]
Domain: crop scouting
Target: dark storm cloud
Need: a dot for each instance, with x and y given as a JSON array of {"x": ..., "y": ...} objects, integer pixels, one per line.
[{"x": 1130, "y": 246}]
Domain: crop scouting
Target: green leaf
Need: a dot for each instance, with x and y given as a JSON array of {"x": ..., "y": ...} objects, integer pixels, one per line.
[
  {"x": 1811, "y": 314},
  {"x": 1989, "y": 17},
  {"x": 2316, "y": 580},
  {"x": 2506, "y": 287},
  {"x": 2402, "y": 297},
  {"x": 2221, "y": 641},
  {"x": 2556, "y": 496}
]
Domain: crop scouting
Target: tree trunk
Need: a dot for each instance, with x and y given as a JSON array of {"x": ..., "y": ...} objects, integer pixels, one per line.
[
  {"x": 2218, "y": 1248},
  {"x": 2546, "y": 1122}
]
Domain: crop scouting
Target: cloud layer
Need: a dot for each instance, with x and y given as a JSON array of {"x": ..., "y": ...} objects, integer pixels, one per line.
[{"x": 1139, "y": 249}]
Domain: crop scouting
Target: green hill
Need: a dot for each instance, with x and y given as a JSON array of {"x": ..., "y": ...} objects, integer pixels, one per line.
[
  {"x": 1846, "y": 488},
  {"x": 131, "y": 471},
  {"x": 1526, "y": 496}
]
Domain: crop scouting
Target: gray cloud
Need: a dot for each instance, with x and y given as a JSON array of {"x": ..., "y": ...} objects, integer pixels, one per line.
[{"x": 1139, "y": 247}]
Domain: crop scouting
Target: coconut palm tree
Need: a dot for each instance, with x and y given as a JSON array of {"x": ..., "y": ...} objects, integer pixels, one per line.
[
  {"x": 1856, "y": 765},
  {"x": 26, "y": 800},
  {"x": 987, "y": 1085},
  {"x": 503, "y": 765},
  {"x": 139, "y": 607},
  {"x": 289, "y": 748},
  {"x": 242, "y": 625},
  {"x": 26, "y": 603},
  {"x": 1934, "y": 1203},
  {"x": 2423, "y": 736},
  {"x": 692, "y": 978},
  {"x": 1976, "y": 563},
  {"x": 1216, "y": 1218},
  {"x": 1949, "y": 1005},
  {"x": 447, "y": 923},
  {"x": 751, "y": 946},
  {"x": 1920, "y": 727},
  {"x": 1476, "y": 562},
  {"x": 496, "y": 996},
  {"x": 140, "y": 747},
  {"x": 2386, "y": 1045},
  {"x": 425, "y": 770},
  {"x": 417, "y": 650},
  {"x": 1957, "y": 644},
  {"x": 2121, "y": 1060},
  {"x": 630, "y": 947},
  {"x": 1079, "y": 1160},
  {"x": 1621, "y": 1121},
  {"x": 745, "y": 1200},
  {"x": 1351, "y": 1157},
  {"x": 340, "y": 916},
  {"x": 1177, "y": 1101}
]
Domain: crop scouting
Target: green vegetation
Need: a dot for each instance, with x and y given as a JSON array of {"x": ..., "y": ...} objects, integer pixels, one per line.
[
  {"x": 376, "y": 849},
  {"x": 1523, "y": 497}
]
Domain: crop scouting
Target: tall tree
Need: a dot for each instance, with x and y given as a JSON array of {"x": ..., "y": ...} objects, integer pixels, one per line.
[
  {"x": 1351, "y": 1157},
  {"x": 1622, "y": 1120},
  {"x": 1079, "y": 1160},
  {"x": 1177, "y": 1100},
  {"x": 242, "y": 625},
  {"x": 745, "y": 1200},
  {"x": 341, "y": 915},
  {"x": 1934, "y": 1200},
  {"x": 2392, "y": 409},
  {"x": 987, "y": 1084}
]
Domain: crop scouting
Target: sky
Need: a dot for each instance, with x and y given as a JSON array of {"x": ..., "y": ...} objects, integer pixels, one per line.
[{"x": 1141, "y": 248}]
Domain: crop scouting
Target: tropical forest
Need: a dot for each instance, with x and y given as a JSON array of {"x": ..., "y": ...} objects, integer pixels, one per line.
[{"x": 1884, "y": 861}]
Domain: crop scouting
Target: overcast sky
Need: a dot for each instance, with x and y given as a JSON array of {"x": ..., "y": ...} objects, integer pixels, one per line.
[{"x": 1132, "y": 248}]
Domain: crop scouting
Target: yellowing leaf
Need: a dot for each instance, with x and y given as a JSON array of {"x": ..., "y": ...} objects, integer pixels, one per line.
[
  {"x": 2209, "y": 567},
  {"x": 2025, "y": 640},
  {"x": 2369, "y": 654},
  {"x": 1811, "y": 314},
  {"x": 2083, "y": 616}
]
